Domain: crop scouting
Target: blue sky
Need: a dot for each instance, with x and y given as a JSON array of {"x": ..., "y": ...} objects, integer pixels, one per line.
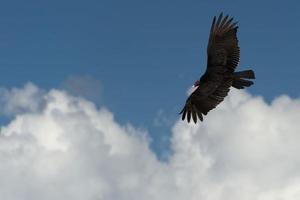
[{"x": 143, "y": 54}]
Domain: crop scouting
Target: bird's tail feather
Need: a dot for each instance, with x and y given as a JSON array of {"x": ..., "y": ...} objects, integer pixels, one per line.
[
  {"x": 249, "y": 74},
  {"x": 239, "y": 82}
]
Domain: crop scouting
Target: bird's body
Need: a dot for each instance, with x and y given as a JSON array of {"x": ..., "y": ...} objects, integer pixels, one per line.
[{"x": 223, "y": 55}]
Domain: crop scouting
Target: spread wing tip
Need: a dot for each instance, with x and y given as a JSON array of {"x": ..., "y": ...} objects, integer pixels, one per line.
[
  {"x": 191, "y": 114},
  {"x": 223, "y": 24}
]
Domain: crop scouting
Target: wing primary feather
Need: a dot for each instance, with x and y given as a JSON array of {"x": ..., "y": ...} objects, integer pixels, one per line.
[
  {"x": 227, "y": 24},
  {"x": 194, "y": 115},
  {"x": 224, "y": 21},
  {"x": 197, "y": 112},
  {"x": 219, "y": 19},
  {"x": 182, "y": 110},
  {"x": 199, "y": 115},
  {"x": 213, "y": 25},
  {"x": 184, "y": 113},
  {"x": 233, "y": 25},
  {"x": 189, "y": 115}
]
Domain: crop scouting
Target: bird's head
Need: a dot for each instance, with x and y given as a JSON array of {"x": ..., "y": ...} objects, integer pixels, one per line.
[{"x": 197, "y": 83}]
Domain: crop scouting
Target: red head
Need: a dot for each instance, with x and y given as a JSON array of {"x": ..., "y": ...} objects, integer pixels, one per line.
[{"x": 197, "y": 83}]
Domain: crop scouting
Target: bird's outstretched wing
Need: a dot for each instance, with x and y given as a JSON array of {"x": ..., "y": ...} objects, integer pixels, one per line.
[
  {"x": 223, "y": 57},
  {"x": 199, "y": 103},
  {"x": 223, "y": 48}
]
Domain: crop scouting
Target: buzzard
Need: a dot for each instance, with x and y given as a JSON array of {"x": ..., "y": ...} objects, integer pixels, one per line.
[{"x": 223, "y": 54}]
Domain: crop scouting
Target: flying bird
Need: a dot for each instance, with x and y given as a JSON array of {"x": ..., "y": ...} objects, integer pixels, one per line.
[{"x": 223, "y": 55}]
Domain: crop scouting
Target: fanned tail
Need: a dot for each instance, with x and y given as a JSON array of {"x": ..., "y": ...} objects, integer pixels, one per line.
[{"x": 239, "y": 81}]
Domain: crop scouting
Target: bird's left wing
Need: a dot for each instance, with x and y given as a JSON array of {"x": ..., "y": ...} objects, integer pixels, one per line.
[{"x": 223, "y": 49}]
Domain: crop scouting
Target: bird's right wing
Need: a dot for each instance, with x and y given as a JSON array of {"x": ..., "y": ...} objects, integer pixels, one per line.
[
  {"x": 205, "y": 98},
  {"x": 201, "y": 101}
]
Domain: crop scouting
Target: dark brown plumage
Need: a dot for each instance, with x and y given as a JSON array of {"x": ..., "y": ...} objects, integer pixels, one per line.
[{"x": 223, "y": 54}]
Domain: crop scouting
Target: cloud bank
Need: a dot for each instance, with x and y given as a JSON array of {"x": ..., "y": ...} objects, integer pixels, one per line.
[{"x": 62, "y": 147}]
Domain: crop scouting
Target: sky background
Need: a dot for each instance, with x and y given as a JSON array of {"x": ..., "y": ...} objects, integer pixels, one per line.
[
  {"x": 138, "y": 58},
  {"x": 90, "y": 93}
]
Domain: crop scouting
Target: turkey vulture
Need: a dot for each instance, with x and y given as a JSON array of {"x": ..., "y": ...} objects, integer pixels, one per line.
[{"x": 223, "y": 54}]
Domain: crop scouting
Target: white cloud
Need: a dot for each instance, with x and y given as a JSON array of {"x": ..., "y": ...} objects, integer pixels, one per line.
[
  {"x": 62, "y": 147},
  {"x": 20, "y": 100}
]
